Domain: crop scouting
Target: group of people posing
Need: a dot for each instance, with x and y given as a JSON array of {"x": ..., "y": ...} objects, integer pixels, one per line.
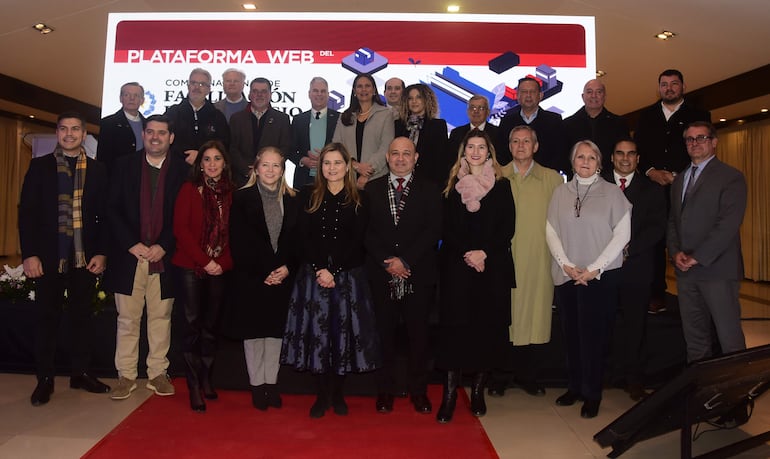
[{"x": 387, "y": 217}]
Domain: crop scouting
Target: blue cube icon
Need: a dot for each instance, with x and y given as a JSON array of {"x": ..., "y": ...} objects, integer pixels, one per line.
[{"x": 364, "y": 56}]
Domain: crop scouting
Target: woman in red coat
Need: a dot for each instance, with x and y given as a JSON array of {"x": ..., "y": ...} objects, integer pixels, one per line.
[{"x": 201, "y": 216}]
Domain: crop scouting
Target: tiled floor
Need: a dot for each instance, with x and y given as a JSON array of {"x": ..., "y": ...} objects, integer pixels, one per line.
[{"x": 518, "y": 425}]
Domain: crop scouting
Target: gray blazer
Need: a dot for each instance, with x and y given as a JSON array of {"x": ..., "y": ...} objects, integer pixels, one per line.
[
  {"x": 708, "y": 228},
  {"x": 378, "y": 134}
]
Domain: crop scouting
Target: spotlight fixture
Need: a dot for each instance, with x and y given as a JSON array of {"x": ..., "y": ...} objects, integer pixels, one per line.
[
  {"x": 453, "y": 9},
  {"x": 722, "y": 120},
  {"x": 600, "y": 73},
  {"x": 42, "y": 28},
  {"x": 763, "y": 110},
  {"x": 249, "y": 6},
  {"x": 665, "y": 35}
]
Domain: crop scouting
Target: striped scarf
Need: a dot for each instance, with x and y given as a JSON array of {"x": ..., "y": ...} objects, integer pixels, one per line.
[
  {"x": 70, "y": 209},
  {"x": 397, "y": 207}
]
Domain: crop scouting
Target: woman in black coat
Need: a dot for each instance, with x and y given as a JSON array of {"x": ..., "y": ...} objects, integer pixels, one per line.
[
  {"x": 476, "y": 269},
  {"x": 418, "y": 122},
  {"x": 263, "y": 219}
]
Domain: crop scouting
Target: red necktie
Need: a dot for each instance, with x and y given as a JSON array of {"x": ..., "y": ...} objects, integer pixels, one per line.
[
  {"x": 623, "y": 184},
  {"x": 400, "y": 186}
]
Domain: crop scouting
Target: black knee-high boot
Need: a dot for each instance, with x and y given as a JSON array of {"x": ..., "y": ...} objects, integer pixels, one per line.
[
  {"x": 338, "y": 395},
  {"x": 478, "y": 405},
  {"x": 449, "y": 397},
  {"x": 322, "y": 401},
  {"x": 192, "y": 370}
]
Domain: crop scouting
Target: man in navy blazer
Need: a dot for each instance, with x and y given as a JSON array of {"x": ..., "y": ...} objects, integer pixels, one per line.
[
  {"x": 259, "y": 125},
  {"x": 120, "y": 134},
  {"x": 401, "y": 244},
  {"x": 141, "y": 201},
  {"x": 306, "y": 145},
  {"x": 63, "y": 245},
  {"x": 478, "y": 112},
  {"x": 708, "y": 201},
  {"x": 648, "y": 226}
]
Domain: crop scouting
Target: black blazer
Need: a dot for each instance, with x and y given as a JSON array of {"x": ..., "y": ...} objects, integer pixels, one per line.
[
  {"x": 648, "y": 226},
  {"x": 553, "y": 151},
  {"x": 38, "y": 212},
  {"x": 124, "y": 221},
  {"x": 502, "y": 152},
  {"x": 275, "y": 133},
  {"x": 300, "y": 129},
  {"x": 660, "y": 142},
  {"x": 116, "y": 139},
  {"x": 253, "y": 260},
  {"x": 435, "y": 159},
  {"x": 605, "y": 131},
  {"x": 211, "y": 123},
  {"x": 414, "y": 240}
]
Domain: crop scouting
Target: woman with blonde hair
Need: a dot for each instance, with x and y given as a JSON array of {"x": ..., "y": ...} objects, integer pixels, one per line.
[
  {"x": 476, "y": 271},
  {"x": 263, "y": 220},
  {"x": 330, "y": 329},
  {"x": 420, "y": 123}
]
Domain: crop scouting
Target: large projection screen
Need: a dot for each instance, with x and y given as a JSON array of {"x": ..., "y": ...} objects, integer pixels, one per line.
[{"x": 457, "y": 55}]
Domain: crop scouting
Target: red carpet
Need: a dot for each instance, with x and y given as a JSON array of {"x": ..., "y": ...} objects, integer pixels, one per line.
[{"x": 165, "y": 427}]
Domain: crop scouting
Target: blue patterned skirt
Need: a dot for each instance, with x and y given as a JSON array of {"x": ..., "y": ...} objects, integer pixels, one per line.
[{"x": 331, "y": 330}]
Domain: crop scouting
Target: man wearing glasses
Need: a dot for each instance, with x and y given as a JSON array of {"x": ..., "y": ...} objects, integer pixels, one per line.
[
  {"x": 260, "y": 125},
  {"x": 478, "y": 112},
  {"x": 195, "y": 119},
  {"x": 708, "y": 200}
]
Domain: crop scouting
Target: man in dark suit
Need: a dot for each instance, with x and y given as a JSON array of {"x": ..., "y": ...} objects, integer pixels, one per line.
[
  {"x": 658, "y": 137},
  {"x": 594, "y": 122},
  {"x": 478, "y": 112},
  {"x": 708, "y": 201},
  {"x": 63, "y": 241},
  {"x": 195, "y": 120},
  {"x": 312, "y": 130},
  {"x": 648, "y": 225},
  {"x": 120, "y": 134},
  {"x": 141, "y": 201},
  {"x": 554, "y": 151},
  {"x": 401, "y": 244},
  {"x": 258, "y": 126}
]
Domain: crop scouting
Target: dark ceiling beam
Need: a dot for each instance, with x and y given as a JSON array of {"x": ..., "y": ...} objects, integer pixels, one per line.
[
  {"x": 23, "y": 93},
  {"x": 746, "y": 86}
]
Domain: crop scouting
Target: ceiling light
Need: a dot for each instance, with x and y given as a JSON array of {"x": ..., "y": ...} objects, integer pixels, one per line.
[
  {"x": 665, "y": 35},
  {"x": 600, "y": 73},
  {"x": 42, "y": 28},
  {"x": 763, "y": 110},
  {"x": 453, "y": 8},
  {"x": 249, "y": 6},
  {"x": 722, "y": 120},
  {"x": 32, "y": 116}
]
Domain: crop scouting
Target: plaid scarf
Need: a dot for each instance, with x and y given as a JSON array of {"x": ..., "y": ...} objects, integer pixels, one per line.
[
  {"x": 398, "y": 287},
  {"x": 70, "y": 209},
  {"x": 414, "y": 126},
  {"x": 217, "y": 198},
  {"x": 397, "y": 207}
]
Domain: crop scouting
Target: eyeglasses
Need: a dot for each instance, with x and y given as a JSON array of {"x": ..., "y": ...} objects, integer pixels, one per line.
[
  {"x": 477, "y": 108},
  {"x": 699, "y": 139},
  {"x": 200, "y": 84}
]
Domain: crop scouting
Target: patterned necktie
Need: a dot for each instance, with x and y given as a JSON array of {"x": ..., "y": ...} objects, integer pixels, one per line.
[
  {"x": 623, "y": 184},
  {"x": 400, "y": 187},
  {"x": 318, "y": 115}
]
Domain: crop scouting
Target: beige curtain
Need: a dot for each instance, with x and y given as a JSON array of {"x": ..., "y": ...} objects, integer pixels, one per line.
[
  {"x": 748, "y": 149},
  {"x": 15, "y": 156}
]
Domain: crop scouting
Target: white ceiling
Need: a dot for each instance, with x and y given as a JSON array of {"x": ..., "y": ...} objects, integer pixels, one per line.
[{"x": 716, "y": 39}]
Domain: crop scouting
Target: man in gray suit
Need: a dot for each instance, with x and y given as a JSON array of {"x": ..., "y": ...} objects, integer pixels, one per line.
[{"x": 708, "y": 200}]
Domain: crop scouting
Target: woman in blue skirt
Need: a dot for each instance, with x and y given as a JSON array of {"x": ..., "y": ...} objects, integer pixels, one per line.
[{"x": 330, "y": 328}]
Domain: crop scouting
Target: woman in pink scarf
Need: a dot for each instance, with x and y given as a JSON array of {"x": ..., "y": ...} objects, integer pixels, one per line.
[{"x": 476, "y": 271}]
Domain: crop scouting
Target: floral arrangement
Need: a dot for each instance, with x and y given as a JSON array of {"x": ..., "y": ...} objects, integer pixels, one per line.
[{"x": 15, "y": 286}]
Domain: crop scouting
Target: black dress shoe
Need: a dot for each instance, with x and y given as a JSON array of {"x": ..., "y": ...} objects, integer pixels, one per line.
[
  {"x": 421, "y": 403},
  {"x": 384, "y": 403},
  {"x": 636, "y": 392},
  {"x": 531, "y": 387},
  {"x": 42, "y": 393},
  {"x": 568, "y": 399},
  {"x": 735, "y": 417},
  {"x": 590, "y": 409},
  {"x": 89, "y": 383}
]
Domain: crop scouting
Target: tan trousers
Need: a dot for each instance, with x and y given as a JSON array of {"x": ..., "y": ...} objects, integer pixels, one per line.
[{"x": 130, "y": 308}]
